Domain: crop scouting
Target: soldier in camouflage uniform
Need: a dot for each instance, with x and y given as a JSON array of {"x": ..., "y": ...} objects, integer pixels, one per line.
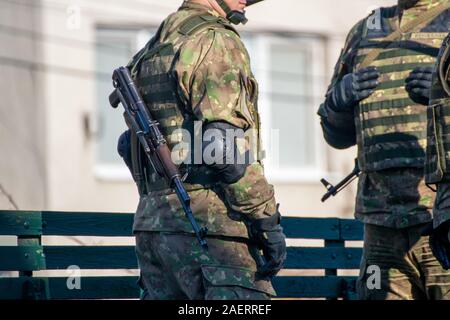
[
  {"x": 372, "y": 103},
  {"x": 437, "y": 165},
  {"x": 197, "y": 70}
]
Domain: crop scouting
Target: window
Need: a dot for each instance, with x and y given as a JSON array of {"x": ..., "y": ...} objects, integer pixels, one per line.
[
  {"x": 291, "y": 74},
  {"x": 114, "y": 48},
  {"x": 290, "y": 70}
]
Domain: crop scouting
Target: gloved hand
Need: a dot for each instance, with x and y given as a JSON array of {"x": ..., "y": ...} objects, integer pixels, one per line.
[
  {"x": 418, "y": 85},
  {"x": 353, "y": 88},
  {"x": 124, "y": 148},
  {"x": 269, "y": 237},
  {"x": 440, "y": 244}
]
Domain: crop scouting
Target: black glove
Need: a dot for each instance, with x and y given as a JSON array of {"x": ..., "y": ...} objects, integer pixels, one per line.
[
  {"x": 418, "y": 85},
  {"x": 353, "y": 88},
  {"x": 440, "y": 244},
  {"x": 124, "y": 148},
  {"x": 269, "y": 237}
]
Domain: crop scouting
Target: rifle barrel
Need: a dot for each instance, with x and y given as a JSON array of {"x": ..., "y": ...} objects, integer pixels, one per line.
[{"x": 333, "y": 190}]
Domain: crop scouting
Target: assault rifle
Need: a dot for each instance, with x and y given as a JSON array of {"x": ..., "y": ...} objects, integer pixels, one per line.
[
  {"x": 334, "y": 190},
  {"x": 152, "y": 141}
]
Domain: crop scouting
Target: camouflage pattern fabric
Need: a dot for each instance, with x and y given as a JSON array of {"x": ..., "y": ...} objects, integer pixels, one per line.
[
  {"x": 441, "y": 209},
  {"x": 174, "y": 267},
  {"x": 192, "y": 74},
  {"x": 388, "y": 127},
  {"x": 408, "y": 268},
  {"x": 438, "y": 127},
  {"x": 222, "y": 208},
  {"x": 396, "y": 198}
]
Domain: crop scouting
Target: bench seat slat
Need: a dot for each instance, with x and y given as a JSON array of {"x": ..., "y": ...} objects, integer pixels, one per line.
[
  {"x": 323, "y": 258},
  {"x": 11, "y": 288},
  {"x": 124, "y": 257},
  {"x": 91, "y": 257},
  {"x": 25, "y": 258},
  {"x": 87, "y": 224},
  {"x": 125, "y": 287},
  {"x": 96, "y": 288},
  {"x": 312, "y": 287},
  {"x": 117, "y": 287},
  {"x": 29, "y": 258}
]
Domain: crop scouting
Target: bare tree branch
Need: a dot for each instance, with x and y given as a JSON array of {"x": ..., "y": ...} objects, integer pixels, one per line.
[{"x": 9, "y": 197}]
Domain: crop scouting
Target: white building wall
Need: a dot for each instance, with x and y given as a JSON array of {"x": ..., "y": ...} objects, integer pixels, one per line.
[
  {"x": 70, "y": 99},
  {"x": 22, "y": 111}
]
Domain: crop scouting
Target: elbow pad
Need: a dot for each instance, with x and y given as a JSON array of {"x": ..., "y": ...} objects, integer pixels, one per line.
[
  {"x": 221, "y": 153},
  {"x": 338, "y": 127},
  {"x": 338, "y": 139},
  {"x": 344, "y": 121}
]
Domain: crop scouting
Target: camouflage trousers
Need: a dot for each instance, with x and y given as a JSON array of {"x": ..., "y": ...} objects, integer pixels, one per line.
[
  {"x": 174, "y": 267},
  {"x": 404, "y": 263}
]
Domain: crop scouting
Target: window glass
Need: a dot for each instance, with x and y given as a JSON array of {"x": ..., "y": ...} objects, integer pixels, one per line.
[
  {"x": 290, "y": 71},
  {"x": 114, "y": 48}
]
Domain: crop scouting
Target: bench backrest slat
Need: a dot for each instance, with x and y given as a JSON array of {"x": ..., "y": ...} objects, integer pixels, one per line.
[
  {"x": 66, "y": 223},
  {"x": 120, "y": 225},
  {"x": 322, "y": 228},
  {"x": 91, "y": 257},
  {"x": 323, "y": 258},
  {"x": 126, "y": 288},
  {"x": 352, "y": 230},
  {"x": 124, "y": 257},
  {"x": 20, "y": 223},
  {"x": 311, "y": 228}
]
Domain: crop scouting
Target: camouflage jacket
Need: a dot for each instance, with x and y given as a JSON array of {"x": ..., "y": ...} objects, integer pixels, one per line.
[
  {"x": 391, "y": 192},
  {"x": 214, "y": 82}
]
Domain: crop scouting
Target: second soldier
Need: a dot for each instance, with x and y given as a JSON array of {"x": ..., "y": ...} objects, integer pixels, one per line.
[{"x": 374, "y": 102}]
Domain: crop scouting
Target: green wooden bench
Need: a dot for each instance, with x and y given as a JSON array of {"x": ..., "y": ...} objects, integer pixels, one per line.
[{"x": 30, "y": 255}]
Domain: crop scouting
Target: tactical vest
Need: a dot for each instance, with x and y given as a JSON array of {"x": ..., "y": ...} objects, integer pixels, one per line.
[
  {"x": 391, "y": 128},
  {"x": 152, "y": 70},
  {"x": 438, "y": 148}
]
